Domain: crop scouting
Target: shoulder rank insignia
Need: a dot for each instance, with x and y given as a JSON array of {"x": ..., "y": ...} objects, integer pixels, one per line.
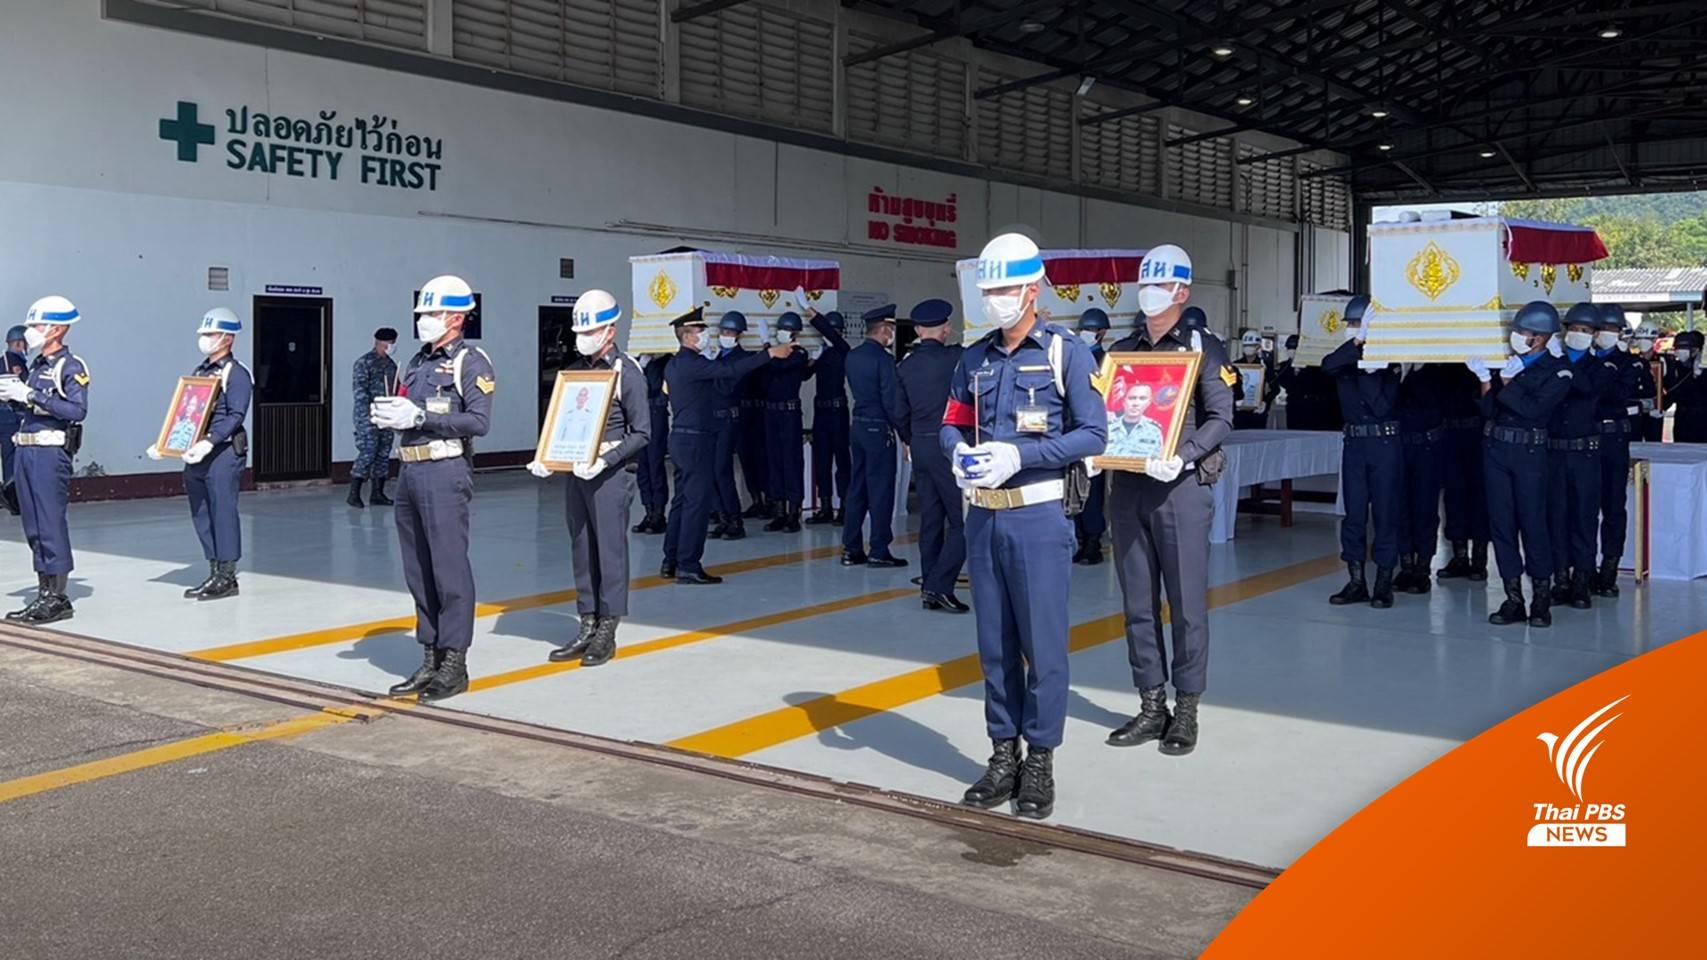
[
  {"x": 1103, "y": 377},
  {"x": 82, "y": 379},
  {"x": 1229, "y": 376},
  {"x": 485, "y": 384}
]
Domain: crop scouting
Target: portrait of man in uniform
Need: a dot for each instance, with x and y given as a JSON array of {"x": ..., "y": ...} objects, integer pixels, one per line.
[
  {"x": 1131, "y": 432},
  {"x": 575, "y": 421},
  {"x": 187, "y": 418},
  {"x": 1144, "y": 394}
]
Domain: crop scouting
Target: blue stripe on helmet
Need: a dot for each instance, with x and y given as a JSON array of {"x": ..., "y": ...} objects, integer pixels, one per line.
[
  {"x": 1182, "y": 272},
  {"x": 605, "y": 316},
  {"x": 455, "y": 301},
  {"x": 57, "y": 316}
]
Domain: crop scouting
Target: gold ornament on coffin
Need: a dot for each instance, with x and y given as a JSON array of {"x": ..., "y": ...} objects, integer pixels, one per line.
[
  {"x": 1520, "y": 270},
  {"x": 814, "y": 295},
  {"x": 1331, "y": 321},
  {"x": 725, "y": 293},
  {"x": 1069, "y": 292},
  {"x": 1110, "y": 293},
  {"x": 1549, "y": 273},
  {"x": 1574, "y": 271},
  {"x": 662, "y": 289},
  {"x": 1432, "y": 271},
  {"x": 768, "y": 298}
]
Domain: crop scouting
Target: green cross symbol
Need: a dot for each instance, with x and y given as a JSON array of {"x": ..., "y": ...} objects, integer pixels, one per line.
[{"x": 187, "y": 131}]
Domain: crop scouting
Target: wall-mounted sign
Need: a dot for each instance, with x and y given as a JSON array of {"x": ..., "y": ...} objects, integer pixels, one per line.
[
  {"x": 292, "y": 290},
  {"x": 918, "y": 220},
  {"x": 567, "y": 301},
  {"x": 369, "y": 150}
]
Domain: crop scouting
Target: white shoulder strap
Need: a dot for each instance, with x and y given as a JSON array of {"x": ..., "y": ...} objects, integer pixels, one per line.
[
  {"x": 1197, "y": 340},
  {"x": 456, "y": 365},
  {"x": 1057, "y": 365},
  {"x": 56, "y": 373}
]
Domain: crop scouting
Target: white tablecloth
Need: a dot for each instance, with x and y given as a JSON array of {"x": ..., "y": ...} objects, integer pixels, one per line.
[
  {"x": 1677, "y": 499},
  {"x": 1266, "y": 456}
]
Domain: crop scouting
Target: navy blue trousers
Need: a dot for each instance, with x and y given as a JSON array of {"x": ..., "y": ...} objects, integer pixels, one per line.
[
  {"x": 653, "y": 477},
  {"x": 1573, "y": 508},
  {"x": 727, "y": 496},
  {"x": 750, "y": 447},
  {"x": 212, "y": 489},
  {"x": 1372, "y": 473},
  {"x": 785, "y": 456},
  {"x": 1020, "y": 561},
  {"x": 1161, "y": 543},
  {"x": 830, "y": 455},
  {"x": 43, "y": 475},
  {"x": 872, "y": 489},
  {"x": 942, "y": 522},
  {"x": 432, "y": 529},
  {"x": 1516, "y": 478},
  {"x": 1091, "y": 522},
  {"x": 1419, "y": 529},
  {"x": 1614, "y": 485},
  {"x": 597, "y": 512},
  {"x": 1465, "y": 486},
  {"x": 691, "y": 502}
]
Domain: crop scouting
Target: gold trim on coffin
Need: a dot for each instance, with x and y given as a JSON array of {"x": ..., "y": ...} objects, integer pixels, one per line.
[
  {"x": 1382, "y": 345},
  {"x": 662, "y": 289},
  {"x": 1520, "y": 270},
  {"x": 768, "y": 298},
  {"x": 1331, "y": 321},
  {"x": 1574, "y": 271},
  {"x": 1494, "y": 304},
  {"x": 1432, "y": 271},
  {"x": 1110, "y": 293},
  {"x": 724, "y": 293},
  {"x": 1549, "y": 274},
  {"x": 1068, "y": 292}
]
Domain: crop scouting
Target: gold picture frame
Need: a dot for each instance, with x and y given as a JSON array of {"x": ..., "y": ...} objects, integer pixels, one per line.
[
  {"x": 574, "y": 430},
  {"x": 1253, "y": 398},
  {"x": 188, "y": 416},
  {"x": 1171, "y": 382}
]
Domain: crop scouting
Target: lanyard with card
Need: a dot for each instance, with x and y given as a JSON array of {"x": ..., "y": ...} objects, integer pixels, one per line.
[{"x": 1030, "y": 416}]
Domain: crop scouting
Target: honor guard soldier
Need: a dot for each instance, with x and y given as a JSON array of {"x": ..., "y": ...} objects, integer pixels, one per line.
[
  {"x": 1620, "y": 415},
  {"x": 598, "y": 495},
  {"x": 1644, "y": 343},
  {"x": 1250, "y": 351},
  {"x": 1022, "y": 413},
  {"x": 374, "y": 376},
  {"x": 700, "y": 387},
  {"x": 1372, "y": 466},
  {"x": 443, "y": 403},
  {"x": 1686, "y": 390},
  {"x": 213, "y": 465},
  {"x": 1573, "y": 460},
  {"x": 1092, "y": 522},
  {"x": 923, "y": 379},
  {"x": 784, "y": 432},
  {"x": 17, "y": 364},
  {"x": 54, "y": 394},
  {"x": 654, "y": 477},
  {"x": 832, "y": 464},
  {"x": 750, "y": 435},
  {"x": 732, "y": 402},
  {"x": 1312, "y": 401},
  {"x": 1466, "y": 511},
  {"x": 1422, "y": 432},
  {"x": 1514, "y": 459},
  {"x": 876, "y": 418},
  {"x": 1161, "y": 518}
]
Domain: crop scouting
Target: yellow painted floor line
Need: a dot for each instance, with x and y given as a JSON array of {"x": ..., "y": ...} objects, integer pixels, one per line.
[
  {"x": 169, "y": 752},
  {"x": 359, "y": 631},
  {"x": 696, "y": 636},
  {"x": 833, "y": 710}
]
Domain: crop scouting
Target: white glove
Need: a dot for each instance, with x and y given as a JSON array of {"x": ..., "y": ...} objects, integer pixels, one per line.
[
  {"x": 538, "y": 469},
  {"x": 964, "y": 475},
  {"x": 801, "y": 303},
  {"x": 1479, "y": 367},
  {"x": 1512, "y": 368},
  {"x": 1092, "y": 468},
  {"x": 1262, "y": 407},
  {"x": 1553, "y": 346},
  {"x": 1166, "y": 471},
  {"x": 817, "y": 352},
  {"x": 17, "y": 391},
  {"x": 153, "y": 453},
  {"x": 589, "y": 471},
  {"x": 198, "y": 450},
  {"x": 1657, "y": 414},
  {"x": 1003, "y": 463},
  {"x": 764, "y": 331},
  {"x": 395, "y": 413}
]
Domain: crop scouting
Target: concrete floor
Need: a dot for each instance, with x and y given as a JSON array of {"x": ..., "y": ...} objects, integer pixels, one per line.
[{"x": 797, "y": 662}]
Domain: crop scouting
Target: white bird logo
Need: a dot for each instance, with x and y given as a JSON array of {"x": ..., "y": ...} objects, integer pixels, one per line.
[{"x": 1571, "y": 755}]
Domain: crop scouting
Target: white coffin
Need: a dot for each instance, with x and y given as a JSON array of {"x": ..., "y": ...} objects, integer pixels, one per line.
[
  {"x": 1321, "y": 322},
  {"x": 667, "y": 285},
  {"x": 1074, "y": 281},
  {"x": 1444, "y": 291}
]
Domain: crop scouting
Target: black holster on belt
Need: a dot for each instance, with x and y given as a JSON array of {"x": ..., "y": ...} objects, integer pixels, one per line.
[
  {"x": 73, "y": 439},
  {"x": 240, "y": 443},
  {"x": 1076, "y": 487},
  {"x": 1210, "y": 468}
]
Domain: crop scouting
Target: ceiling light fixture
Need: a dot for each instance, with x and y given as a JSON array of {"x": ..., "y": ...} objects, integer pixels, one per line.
[
  {"x": 1486, "y": 154},
  {"x": 1610, "y": 32},
  {"x": 1086, "y": 83},
  {"x": 1378, "y": 113},
  {"x": 1245, "y": 101},
  {"x": 1031, "y": 26},
  {"x": 1222, "y": 50},
  {"x": 1384, "y": 147}
]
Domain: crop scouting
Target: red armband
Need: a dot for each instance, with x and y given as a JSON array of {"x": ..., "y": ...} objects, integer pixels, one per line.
[{"x": 957, "y": 414}]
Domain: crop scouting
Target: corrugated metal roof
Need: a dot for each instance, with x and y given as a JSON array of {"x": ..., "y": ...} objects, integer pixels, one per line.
[{"x": 1688, "y": 282}]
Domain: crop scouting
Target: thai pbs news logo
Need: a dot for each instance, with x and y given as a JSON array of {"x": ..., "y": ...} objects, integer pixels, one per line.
[{"x": 1581, "y": 824}]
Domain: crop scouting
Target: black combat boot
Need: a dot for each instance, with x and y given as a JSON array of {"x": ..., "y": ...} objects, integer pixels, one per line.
[
  {"x": 1539, "y": 613},
  {"x": 1512, "y": 610},
  {"x": 9, "y": 494},
  {"x": 53, "y": 605},
  {"x": 1459, "y": 566},
  {"x": 224, "y": 582},
  {"x": 821, "y": 515},
  {"x": 779, "y": 519},
  {"x": 603, "y": 645},
  {"x": 1181, "y": 737},
  {"x": 355, "y": 497},
  {"x": 574, "y": 648},
  {"x": 1479, "y": 562},
  {"x": 667, "y": 570},
  {"x": 1580, "y": 590},
  {"x": 1355, "y": 590},
  {"x": 997, "y": 784},
  {"x": 450, "y": 679},
  {"x": 1036, "y": 797},
  {"x": 1606, "y": 581},
  {"x": 27, "y": 613},
  {"x": 212, "y": 573},
  {"x": 736, "y": 529},
  {"x": 760, "y": 509},
  {"x": 1093, "y": 553},
  {"x": 717, "y": 526},
  {"x": 1150, "y": 723},
  {"x": 422, "y": 676},
  {"x": 379, "y": 499},
  {"x": 1421, "y": 582},
  {"x": 1407, "y": 570},
  {"x": 792, "y": 525},
  {"x": 1381, "y": 596},
  {"x": 1562, "y": 587}
]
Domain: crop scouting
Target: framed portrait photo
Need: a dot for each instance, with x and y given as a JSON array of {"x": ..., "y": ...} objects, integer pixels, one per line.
[
  {"x": 187, "y": 418},
  {"x": 1146, "y": 396},
  {"x": 1253, "y": 377},
  {"x": 575, "y": 421}
]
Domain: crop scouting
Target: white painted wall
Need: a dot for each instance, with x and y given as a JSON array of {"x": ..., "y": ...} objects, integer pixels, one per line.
[{"x": 99, "y": 208}]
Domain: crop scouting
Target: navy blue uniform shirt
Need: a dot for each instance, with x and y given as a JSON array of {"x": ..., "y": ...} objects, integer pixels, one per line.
[
  {"x": 924, "y": 376},
  {"x": 871, "y": 380},
  {"x": 1366, "y": 396},
  {"x": 432, "y": 376}
]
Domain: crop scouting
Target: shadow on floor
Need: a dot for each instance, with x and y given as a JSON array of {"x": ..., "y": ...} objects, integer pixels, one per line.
[{"x": 894, "y": 736}]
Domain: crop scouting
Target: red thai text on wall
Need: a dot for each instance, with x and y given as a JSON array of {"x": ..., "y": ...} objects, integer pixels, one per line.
[{"x": 920, "y": 221}]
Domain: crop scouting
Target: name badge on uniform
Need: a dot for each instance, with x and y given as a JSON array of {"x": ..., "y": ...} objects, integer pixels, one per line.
[
  {"x": 438, "y": 405},
  {"x": 1029, "y": 417}
]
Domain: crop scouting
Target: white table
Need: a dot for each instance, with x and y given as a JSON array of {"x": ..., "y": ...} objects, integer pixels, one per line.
[
  {"x": 1265, "y": 456},
  {"x": 1677, "y": 498}
]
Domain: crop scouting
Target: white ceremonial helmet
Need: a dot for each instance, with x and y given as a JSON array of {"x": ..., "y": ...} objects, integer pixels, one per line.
[
  {"x": 1010, "y": 260},
  {"x": 52, "y": 310},
  {"x": 1251, "y": 338},
  {"x": 1165, "y": 264},
  {"x": 220, "y": 320},
  {"x": 595, "y": 310},
  {"x": 446, "y": 294}
]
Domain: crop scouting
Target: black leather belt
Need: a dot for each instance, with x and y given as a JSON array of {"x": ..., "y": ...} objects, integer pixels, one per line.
[
  {"x": 1464, "y": 423},
  {"x": 1576, "y": 445},
  {"x": 1522, "y": 436},
  {"x": 726, "y": 414},
  {"x": 782, "y": 404},
  {"x": 857, "y": 418},
  {"x": 690, "y": 432},
  {"x": 1389, "y": 428},
  {"x": 1615, "y": 426},
  {"x": 1426, "y": 437},
  {"x": 836, "y": 404},
  {"x": 750, "y": 402}
]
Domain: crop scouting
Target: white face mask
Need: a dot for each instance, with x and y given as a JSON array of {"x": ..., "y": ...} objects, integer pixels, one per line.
[
  {"x": 589, "y": 344},
  {"x": 784, "y": 336},
  {"x": 1606, "y": 339},
  {"x": 727, "y": 341},
  {"x": 1154, "y": 299},
  {"x": 207, "y": 343},
  {"x": 1681, "y": 356},
  {"x": 1643, "y": 346},
  {"x": 1354, "y": 333},
  {"x": 430, "y": 327},
  {"x": 1004, "y": 311},
  {"x": 1250, "y": 349},
  {"x": 1578, "y": 340},
  {"x": 1089, "y": 337},
  {"x": 1519, "y": 342},
  {"x": 34, "y": 338}
]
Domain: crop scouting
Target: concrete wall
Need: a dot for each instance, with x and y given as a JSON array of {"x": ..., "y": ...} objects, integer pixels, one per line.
[{"x": 101, "y": 209}]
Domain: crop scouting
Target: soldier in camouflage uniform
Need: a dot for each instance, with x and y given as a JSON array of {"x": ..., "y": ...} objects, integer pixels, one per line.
[{"x": 375, "y": 376}]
